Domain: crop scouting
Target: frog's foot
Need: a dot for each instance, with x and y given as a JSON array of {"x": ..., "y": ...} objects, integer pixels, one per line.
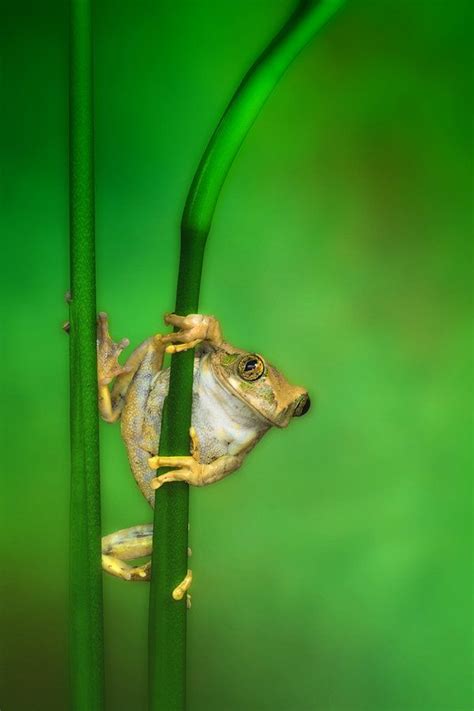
[
  {"x": 181, "y": 589},
  {"x": 189, "y": 468},
  {"x": 120, "y": 569},
  {"x": 194, "y": 329},
  {"x": 127, "y": 544},
  {"x": 108, "y": 352}
]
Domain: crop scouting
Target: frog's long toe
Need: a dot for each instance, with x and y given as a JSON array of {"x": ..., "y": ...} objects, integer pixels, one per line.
[
  {"x": 120, "y": 569},
  {"x": 180, "y": 347},
  {"x": 141, "y": 572},
  {"x": 195, "y": 447},
  {"x": 154, "y": 462},
  {"x": 158, "y": 481},
  {"x": 181, "y": 589},
  {"x": 116, "y": 567}
]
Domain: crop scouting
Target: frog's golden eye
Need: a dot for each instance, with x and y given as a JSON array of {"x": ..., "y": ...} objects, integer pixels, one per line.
[{"x": 251, "y": 367}]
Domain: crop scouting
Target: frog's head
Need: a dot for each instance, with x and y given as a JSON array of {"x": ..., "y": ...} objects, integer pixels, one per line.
[{"x": 260, "y": 385}]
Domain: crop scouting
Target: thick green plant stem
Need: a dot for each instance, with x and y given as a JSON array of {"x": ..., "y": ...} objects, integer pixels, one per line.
[
  {"x": 86, "y": 626},
  {"x": 167, "y": 624}
]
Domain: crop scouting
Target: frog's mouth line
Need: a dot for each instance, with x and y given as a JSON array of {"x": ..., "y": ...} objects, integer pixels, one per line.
[{"x": 229, "y": 387}]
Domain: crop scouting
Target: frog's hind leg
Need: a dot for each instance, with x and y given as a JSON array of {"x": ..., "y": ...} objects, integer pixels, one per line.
[
  {"x": 124, "y": 545},
  {"x": 136, "y": 542}
]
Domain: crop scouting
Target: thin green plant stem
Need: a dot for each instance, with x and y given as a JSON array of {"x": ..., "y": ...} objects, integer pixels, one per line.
[
  {"x": 167, "y": 618},
  {"x": 85, "y": 609}
]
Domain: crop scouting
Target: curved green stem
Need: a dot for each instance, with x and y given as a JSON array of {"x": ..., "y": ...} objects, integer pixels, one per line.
[
  {"x": 244, "y": 107},
  {"x": 167, "y": 622},
  {"x": 86, "y": 636}
]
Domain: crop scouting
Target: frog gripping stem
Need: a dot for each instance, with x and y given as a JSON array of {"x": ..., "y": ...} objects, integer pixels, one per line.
[
  {"x": 108, "y": 352},
  {"x": 167, "y": 617}
]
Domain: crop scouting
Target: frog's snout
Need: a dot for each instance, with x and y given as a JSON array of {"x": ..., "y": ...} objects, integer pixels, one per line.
[{"x": 302, "y": 405}]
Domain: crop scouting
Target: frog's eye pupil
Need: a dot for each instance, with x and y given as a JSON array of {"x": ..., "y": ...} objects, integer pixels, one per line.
[{"x": 251, "y": 367}]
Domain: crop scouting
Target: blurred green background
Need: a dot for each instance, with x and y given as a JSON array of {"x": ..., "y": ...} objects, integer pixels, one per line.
[{"x": 333, "y": 572}]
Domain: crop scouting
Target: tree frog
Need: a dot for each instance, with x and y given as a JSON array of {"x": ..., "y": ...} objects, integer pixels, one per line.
[{"x": 237, "y": 397}]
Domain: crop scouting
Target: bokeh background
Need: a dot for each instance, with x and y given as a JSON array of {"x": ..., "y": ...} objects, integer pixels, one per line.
[{"x": 333, "y": 572}]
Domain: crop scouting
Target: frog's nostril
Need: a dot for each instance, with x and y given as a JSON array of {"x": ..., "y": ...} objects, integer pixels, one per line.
[{"x": 302, "y": 407}]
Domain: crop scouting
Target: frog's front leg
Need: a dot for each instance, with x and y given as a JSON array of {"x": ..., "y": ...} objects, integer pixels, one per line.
[
  {"x": 191, "y": 470},
  {"x": 108, "y": 367}
]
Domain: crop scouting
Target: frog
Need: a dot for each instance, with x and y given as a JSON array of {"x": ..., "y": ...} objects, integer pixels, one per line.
[{"x": 237, "y": 397}]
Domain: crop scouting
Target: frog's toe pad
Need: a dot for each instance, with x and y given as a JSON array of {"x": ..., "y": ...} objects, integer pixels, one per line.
[
  {"x": 154, "y": 462},
  {"x": 181, "y": 589},
  {"x": 120, "y": 569},
  {"x": 141, "y": 572},
  {"x": 180, "y": 347},
  {"x": 158, "y": 481}
]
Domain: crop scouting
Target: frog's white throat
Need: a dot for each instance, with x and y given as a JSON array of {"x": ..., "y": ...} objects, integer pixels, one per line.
[{"x": 223, "y": 405}]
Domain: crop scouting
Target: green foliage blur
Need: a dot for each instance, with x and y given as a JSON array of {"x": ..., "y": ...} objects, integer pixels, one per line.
[{"x": 333, "y": 572}]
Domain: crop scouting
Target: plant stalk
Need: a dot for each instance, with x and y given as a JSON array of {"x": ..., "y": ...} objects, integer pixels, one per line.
[
  {"x": 86, "y": 621},
  {"x": 167, "y": 618}
]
